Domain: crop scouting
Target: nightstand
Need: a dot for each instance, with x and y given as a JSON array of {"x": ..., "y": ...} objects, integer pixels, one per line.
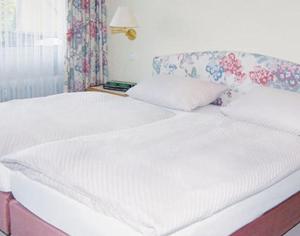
[{"x": 102, "y": 90}]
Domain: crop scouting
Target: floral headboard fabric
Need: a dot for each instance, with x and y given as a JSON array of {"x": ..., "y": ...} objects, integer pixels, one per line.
[{"x": 238, "y": 70}]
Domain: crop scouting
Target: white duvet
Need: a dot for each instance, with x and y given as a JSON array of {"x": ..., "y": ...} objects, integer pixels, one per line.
[
  {"x": 29, "y": 122},
  {"x": 159, "y": 178}
]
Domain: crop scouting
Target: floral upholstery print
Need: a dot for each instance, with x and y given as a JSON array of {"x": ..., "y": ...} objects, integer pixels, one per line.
[{"x": 238, "y": 70}]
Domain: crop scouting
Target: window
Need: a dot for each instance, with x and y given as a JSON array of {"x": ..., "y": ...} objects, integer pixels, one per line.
[
  {"x": 32, "y": 46},
  {"x": 8, "y": 15}
]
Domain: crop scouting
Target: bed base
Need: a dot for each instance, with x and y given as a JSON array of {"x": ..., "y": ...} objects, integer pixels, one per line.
[
  {"x": 275, "y": 222},
  {"x": 5, "y": 198},
  {"x": 24, "y": 223}
]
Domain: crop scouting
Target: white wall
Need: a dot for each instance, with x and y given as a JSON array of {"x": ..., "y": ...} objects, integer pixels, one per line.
[{"x": 270, "y": 27}]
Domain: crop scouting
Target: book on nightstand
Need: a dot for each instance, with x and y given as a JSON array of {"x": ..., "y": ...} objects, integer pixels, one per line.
[{"x": 118, "y": 85}]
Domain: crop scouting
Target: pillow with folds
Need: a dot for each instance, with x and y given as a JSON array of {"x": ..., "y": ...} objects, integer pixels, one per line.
[
  {"x": 273, "y": 108},
  {"x": 177, "y": 93}
]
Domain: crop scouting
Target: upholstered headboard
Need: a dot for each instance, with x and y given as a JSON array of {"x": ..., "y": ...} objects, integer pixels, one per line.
[{"x": 240, "y": 71}]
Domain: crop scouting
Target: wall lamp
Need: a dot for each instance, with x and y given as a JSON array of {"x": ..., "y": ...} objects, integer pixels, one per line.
[{"x": 124, "y": 22}]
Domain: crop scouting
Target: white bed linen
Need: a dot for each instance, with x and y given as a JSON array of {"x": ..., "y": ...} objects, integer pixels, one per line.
[
  {"x": 29, "y": 122},
  {"x": 5, "y": 172},
  {"x": 62, "y": 212},
  {"x": 274, "y": 108},
  {"x": 202, "y": 166}
]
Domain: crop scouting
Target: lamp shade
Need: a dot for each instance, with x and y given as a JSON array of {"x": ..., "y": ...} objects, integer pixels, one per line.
[{"x": 124, "y": 18}]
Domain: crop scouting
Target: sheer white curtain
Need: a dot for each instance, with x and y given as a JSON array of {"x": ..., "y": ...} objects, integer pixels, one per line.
[{"x": 32, "y": 47}]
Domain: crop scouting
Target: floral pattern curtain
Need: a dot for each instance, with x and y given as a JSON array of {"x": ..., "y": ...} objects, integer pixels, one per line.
[{"x": 86, "y": 59}]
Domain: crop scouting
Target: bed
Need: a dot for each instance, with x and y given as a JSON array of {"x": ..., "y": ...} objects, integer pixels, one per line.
[
  {"x": 264, "y": 206},
  {"x": 30, "y": 122},
  {"x": 228, "y": 220},
  {"x": 73, "y": 209}
]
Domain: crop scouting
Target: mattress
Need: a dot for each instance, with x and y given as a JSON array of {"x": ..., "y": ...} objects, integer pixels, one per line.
[
  {"x": 61, "y": 211},
  {"x": 4, "y": 179}
]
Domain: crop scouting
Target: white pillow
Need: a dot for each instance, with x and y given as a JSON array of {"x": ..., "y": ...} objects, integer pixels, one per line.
[
  {"x": 177, "y": 93},
  {"x": 274, "y": 108}
]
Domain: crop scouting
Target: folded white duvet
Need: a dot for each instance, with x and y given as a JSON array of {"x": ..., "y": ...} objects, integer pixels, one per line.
[
  {"x": 159, "y": 178},
  {"x": 28, "y": 122}
]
